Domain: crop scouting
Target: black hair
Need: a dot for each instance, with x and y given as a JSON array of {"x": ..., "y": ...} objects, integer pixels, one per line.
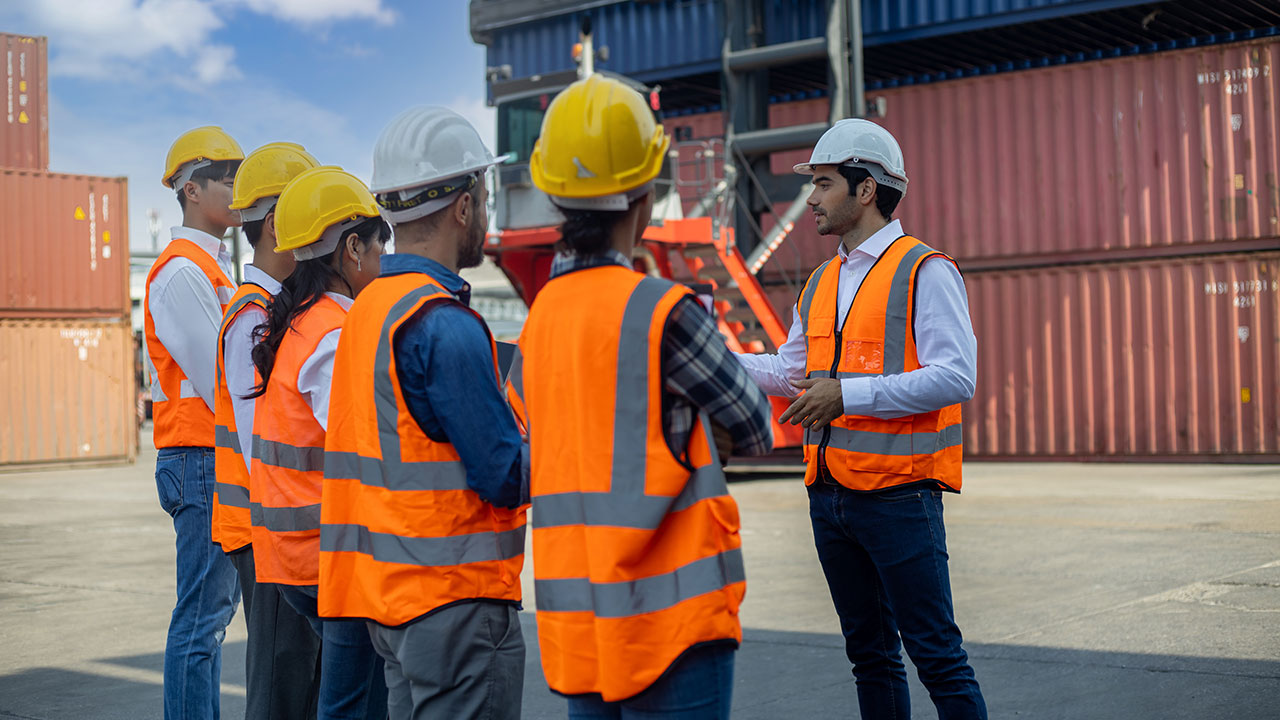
[
  {"x": 887, "y": 198},
  {"x": 299, "y": 292},
  {"x": 216, "y": 172},
  {"x": 587, "y": 232},
  {"x": 253, "y": 228}
]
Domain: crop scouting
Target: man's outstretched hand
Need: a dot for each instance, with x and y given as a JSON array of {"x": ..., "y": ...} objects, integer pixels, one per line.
[{"x": 821, "y": 403}]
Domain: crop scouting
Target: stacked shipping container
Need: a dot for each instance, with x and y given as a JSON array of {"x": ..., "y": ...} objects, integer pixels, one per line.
[
  {"x": 1057, "y": 189},
  {"x": 67, "y": 354}
]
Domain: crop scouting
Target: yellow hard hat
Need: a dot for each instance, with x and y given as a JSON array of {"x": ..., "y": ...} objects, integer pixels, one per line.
[
  {"x": 598, "y": 141},
  {"x": 263, "y": 176},
  {"x": 203, "y": 145},
  {"x": 315, "y": 209}
]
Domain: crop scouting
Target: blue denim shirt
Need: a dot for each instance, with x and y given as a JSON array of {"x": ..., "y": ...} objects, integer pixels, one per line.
[{"x": 444, "y": 361}]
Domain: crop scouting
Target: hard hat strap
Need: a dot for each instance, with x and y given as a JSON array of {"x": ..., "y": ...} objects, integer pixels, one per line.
[
  {"x": 329, "y": 239},
  {"x": 188, "y": 169},
  {"x": 616, "y": 201},
  {"x": 401, "y": 206}
]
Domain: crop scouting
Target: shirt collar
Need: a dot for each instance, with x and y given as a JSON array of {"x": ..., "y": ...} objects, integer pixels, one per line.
[
  {"x": 258, "y": 276},
  {"x": 569, "y": 262},
  {"x": 204, "y": 240},
  {"x": 341, "y": 299},
  {"x": 879, "y": 241},
  {"x": 400, "y": 263}
]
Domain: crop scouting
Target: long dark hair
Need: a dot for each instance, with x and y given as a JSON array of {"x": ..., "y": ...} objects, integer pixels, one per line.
[
  {"x": 587, "y": 232},
  {"x": 299, "y": 292}
]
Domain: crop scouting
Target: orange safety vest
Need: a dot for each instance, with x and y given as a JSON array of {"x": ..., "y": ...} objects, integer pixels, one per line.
[
  {"x": 402, "y": 534},
  {"x": 181, "y": 417},
  {"x": 230, "y": 525},
  {"x": 636, "y": 552},
  {"x": 877, "y": 338},
  {"x": 287, "y": 467}
]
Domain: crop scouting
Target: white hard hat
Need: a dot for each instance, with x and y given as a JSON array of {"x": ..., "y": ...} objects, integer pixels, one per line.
[
  {"x": 417, "y": 155},
  {"x": 864, "y": 144}
]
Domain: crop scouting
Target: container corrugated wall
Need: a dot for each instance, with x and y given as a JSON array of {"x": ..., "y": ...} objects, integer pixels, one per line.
[
  {"x": 24, "y": 137},
  {"x": 67, "y": 391},
  {"x": 66, "y": 245},
  {"x": 1152, "y": 359}
]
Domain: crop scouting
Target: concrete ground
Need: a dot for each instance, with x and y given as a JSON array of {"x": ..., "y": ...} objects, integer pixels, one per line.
[{"x": 1084, "y": 591}]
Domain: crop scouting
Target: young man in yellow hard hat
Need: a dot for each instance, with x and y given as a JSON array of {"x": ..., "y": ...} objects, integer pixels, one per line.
[
  {"x": 281, "y": 671},
  {"x": 187, "y": 293}
]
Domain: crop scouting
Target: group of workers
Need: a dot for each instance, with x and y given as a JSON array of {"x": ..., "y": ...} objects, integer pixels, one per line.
[{"x": 340, "y": 447}]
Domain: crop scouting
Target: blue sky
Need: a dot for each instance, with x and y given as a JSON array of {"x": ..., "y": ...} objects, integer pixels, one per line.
[{"x": 129, "y": 76}]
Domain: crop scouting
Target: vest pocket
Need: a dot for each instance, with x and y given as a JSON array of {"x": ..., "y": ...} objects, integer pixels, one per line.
[
  {"x": 882, "y": 446},
  {"x": 818, "y": 344}
]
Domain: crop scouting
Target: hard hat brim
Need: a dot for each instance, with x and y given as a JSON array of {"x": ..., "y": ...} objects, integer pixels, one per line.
[{"x": 499, "y": 160}]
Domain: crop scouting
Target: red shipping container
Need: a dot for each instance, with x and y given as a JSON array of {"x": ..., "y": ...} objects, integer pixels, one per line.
[
  {"x": 24, "y": 137},
  {"x": 1149, "y": 360},
  {"x": 66, "y": 240}
]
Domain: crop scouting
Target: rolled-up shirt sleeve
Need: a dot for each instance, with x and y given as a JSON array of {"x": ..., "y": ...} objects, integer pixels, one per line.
[{"x": 945, "y": 346}]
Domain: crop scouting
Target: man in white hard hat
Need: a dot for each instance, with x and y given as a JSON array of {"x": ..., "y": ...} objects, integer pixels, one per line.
[
  {"x": 416, "y": 409},
  {"x": 882, "y": 345}
]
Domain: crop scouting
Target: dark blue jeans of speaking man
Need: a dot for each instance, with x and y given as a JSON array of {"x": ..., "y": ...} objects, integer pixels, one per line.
[
  {"x": 885, "y": 558},
  {"x": 207, "y": 588},
  {"x": 698, "y": 686},
  {"x": 353, "y": 684}
]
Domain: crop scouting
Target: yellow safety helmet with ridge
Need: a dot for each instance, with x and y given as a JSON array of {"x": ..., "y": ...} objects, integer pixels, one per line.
[
  {"x": 195, "y": 149},
  {"x": 599, "y": 147},
  {"x": 264, "y": 174},
  {"x": 317, "y": 208}
]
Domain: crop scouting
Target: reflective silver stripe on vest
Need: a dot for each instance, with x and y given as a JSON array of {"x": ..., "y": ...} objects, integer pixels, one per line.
[
  {"x": 442, "y": 475},
  {"x": 626, "y": 504},
  {"x": 187, "y": 390},
  {"x": 424, "y": 551},
  {"x": 645, "y": 595},
  {"x": 841, "y": 375},
  {"x": 225, "y": 437},
  {"x": 877, "y": 443},
  {"x": 231, "y": 312},
  {"x": 896, "y": 316},
  {"x": 232, "y": 495},
  {"x": 285, "y": 519},
  {"x": 806, "y": 298},
  {"x": 515, "y": 374},
  {"x": 391, "y": 472},
  {"x": 278, "y": 454}
]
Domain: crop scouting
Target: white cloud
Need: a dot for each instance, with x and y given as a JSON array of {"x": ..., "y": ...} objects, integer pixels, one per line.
[
  {"x": 480, "y": 115},
  {"x": 319, "y": 11}
]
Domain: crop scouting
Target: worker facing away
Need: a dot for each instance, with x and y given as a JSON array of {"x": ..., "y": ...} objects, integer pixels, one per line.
[
  {"x": 282, "y": 653},
  {"x": 188, "y": 289},
  {"x": 328, "y": 220},
  {"x": 423, "y": 517},
  {"x": 620, "y": 380},
  {"x": 882, "y": 344}
]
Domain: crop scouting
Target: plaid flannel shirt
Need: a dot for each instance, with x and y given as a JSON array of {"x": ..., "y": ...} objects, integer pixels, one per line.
[{"x": 699, "y": 372}]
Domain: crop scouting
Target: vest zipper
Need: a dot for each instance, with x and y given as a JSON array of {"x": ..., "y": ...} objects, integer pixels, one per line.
[{"x": 826, "y": 431}]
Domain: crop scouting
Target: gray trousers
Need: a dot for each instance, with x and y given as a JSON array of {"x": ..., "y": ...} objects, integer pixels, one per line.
[
  {"x": 464, "y": 661},
  {"x": 282, "y": 657}
]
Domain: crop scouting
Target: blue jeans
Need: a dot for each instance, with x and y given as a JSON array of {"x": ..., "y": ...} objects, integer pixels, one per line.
[
  {"x": 885, "y": 558},
  {"x": 698, "y": 686},
  {"x": 207, "y": 587},
  {"x": 353, "y": 684}
]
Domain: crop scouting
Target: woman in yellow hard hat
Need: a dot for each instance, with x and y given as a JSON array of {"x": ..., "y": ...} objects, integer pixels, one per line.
[
  {"x": 329, "y": 221},
  {"x": 636, "y": 555}
]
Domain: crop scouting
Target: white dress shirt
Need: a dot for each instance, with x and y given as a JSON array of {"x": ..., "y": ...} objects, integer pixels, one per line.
[
  {"x": 238, "y": 362},
  {"x": 316, "y": 375},
  {"x": 187, "y": 313},
  {"x": 945, "y": 344}
]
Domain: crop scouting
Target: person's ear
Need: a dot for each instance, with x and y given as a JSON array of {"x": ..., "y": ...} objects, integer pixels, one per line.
[
  {"x": 269, "y": 227},
  {"x": 191, "y": 189},
  {"x": 463, "y": 208}
]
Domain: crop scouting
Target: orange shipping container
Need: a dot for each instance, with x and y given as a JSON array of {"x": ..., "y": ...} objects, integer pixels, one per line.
[
  {"x": 66, "y": 240},
  {"x": 67, "y": 391},
  {"x": 1148, "y": 360},
  {"x": 24, "y": 137}
]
